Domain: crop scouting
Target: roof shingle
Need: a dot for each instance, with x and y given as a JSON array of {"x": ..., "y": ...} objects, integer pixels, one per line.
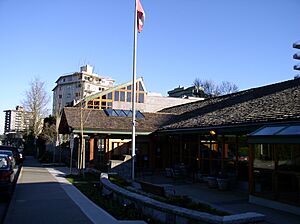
[
  {"x": 276, "y": 102},
  {"x": 99, "y": 121}
]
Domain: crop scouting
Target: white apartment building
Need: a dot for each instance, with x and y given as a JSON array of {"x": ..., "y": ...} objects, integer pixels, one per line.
[
  {"x": 71, "y": 88},
  {"x": 17, "y": 120}
]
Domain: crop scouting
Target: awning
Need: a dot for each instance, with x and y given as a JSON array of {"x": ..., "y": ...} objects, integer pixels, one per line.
[{"x": 276, "y": 134}]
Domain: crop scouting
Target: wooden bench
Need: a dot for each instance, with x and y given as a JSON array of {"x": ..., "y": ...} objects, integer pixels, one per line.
[{"x": 153, "y": 188}]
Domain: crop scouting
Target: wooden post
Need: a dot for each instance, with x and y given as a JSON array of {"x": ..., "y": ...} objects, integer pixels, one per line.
[
  {"x": 92, "y": 146},
  {"x": 223, "y": 153},
  {"x": 79, "y": 153},
  {"x": 199, "y": 152},
  {"x": 251, "y": 167},
  {"x": 181, "y": 151},
  {"x": 275, "y": 173}
]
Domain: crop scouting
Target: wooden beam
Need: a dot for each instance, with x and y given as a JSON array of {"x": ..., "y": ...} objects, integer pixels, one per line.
[
  {"x": 251, "y": 167},
  {"x": 92, "y": 146}
]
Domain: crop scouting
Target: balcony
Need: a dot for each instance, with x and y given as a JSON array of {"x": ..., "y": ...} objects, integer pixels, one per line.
[
  {"x": 296, "y": 45},
  {"x": 296, "y": 56},
  {"x": 297, "y": 67}
]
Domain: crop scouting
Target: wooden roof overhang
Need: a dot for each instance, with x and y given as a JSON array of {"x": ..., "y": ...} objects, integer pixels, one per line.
[{"x": 112, "y": 133}]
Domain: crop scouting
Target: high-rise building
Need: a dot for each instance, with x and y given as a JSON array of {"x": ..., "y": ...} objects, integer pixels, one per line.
[
  {"x": 17, "y": 120},
  {"x": 71, "y": 88},
  {"x": 297, "y": 55}
]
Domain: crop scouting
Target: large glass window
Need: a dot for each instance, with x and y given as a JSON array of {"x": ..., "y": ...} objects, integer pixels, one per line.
[
  {"x": 122, "y": 96},
  {"x": 128, "y": 96},
  {"x": 109, "y": 96},
  {"x": 277, "y": 171},
  {"x": 230, "y": 157},
  {"x": 141, "y": 98},
  {"x": 264, "y": 157},
  {"x": 288, "y": 158},
  {"x": 117, "y": 95}
]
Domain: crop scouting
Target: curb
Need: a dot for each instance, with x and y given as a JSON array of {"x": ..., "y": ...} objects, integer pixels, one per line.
[{"x": 95, "y": 213}]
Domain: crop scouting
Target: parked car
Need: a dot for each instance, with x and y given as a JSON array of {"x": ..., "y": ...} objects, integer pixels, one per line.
[
  {"x": 15, "y": 151},
  {"x": 10, "y": 156},
  {"x": 7, "y": 175},
  {"x": 21, "y": 154}
]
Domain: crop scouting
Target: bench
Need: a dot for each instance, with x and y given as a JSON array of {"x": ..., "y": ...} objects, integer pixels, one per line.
[{"x": 153, "y": 188}]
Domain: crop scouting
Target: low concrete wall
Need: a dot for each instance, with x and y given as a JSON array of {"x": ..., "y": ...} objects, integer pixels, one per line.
[{"x": 171, "y": 214}]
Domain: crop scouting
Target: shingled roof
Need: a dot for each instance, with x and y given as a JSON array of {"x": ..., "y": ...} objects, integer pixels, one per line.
[
  {"x": 278, "y": 102},
  {"x": 97, "y": 121},
  {"x": 271, "y": 103}
]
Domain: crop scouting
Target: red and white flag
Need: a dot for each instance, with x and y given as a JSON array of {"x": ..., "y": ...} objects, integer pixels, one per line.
[{"x": 140, "y": 16}]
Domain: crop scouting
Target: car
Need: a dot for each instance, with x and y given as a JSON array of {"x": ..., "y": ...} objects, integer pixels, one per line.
[
  {"x": 7, "y": 175},
  {"x": 15, "y": 152},
  {"x": 21, "y": 154},
  {"x": 10, "y": 156}
]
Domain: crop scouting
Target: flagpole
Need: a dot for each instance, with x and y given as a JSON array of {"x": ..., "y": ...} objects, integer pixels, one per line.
[{"x": 134, "y": 91}]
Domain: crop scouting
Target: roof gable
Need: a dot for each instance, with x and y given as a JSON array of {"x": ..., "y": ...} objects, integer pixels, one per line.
[{"x": 102, "y": 93}]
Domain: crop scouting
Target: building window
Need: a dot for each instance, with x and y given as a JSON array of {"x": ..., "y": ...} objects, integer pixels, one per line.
[
  {"x": 141, "y": 87},
  {"x": 60, "y": 96},
  {"x": 117, "y": 95},
  {"x": 109, "y": 96},
  {"x": 141, "y": 98},
  {"x": 122, "y": 96},
  {"x": 128, "y": 96}
]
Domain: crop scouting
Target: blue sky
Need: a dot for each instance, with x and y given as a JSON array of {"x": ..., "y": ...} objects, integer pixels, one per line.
[{"x": 245, "y": 42}]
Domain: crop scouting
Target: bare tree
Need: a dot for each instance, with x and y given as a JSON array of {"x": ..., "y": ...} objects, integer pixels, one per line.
[
  {"x": 35, "y": 102},
  {"x": 211, "y": 89},
  {"x": 227, "y": 87}
]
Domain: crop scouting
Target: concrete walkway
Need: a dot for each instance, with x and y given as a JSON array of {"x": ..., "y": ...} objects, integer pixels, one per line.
[
  {"x": 43, "y": 195},
  {"x": 231, "y": 201}
]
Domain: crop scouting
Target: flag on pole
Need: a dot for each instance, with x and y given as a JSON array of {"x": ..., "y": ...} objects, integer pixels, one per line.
[{"x": 140, "y": 16}]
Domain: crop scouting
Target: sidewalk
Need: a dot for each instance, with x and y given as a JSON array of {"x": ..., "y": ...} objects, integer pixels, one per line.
[
  {"x": 231, "y": 201},
  {"x": 43, "y": 195}
]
